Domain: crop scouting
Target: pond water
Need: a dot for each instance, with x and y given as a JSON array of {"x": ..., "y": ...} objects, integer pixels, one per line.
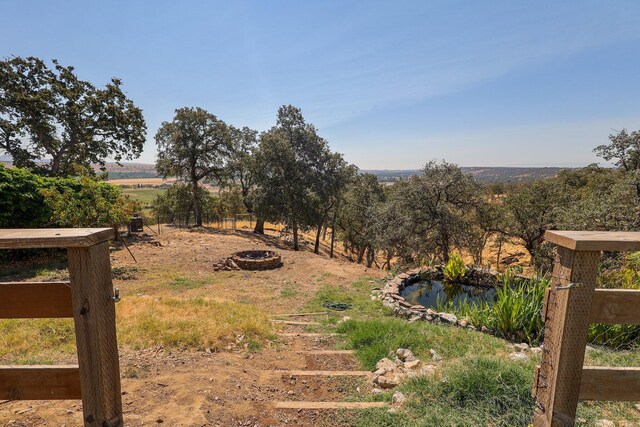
[{"x": 428, "y": 293}]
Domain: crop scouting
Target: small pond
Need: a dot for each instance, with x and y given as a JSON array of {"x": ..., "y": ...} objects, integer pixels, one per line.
[{"x": 429, "y": 292}]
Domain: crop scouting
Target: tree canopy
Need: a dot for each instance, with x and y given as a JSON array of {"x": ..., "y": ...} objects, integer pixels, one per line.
[
  {"x": 194, "y": 146},
  {"x": 55, "y": 124}
]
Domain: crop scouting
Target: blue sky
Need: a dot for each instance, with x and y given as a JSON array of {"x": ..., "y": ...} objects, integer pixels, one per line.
[{"x": 389, "y": 84}]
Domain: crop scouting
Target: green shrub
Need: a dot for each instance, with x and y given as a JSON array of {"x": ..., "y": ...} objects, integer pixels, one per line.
[{"x": 455, "y": 269}]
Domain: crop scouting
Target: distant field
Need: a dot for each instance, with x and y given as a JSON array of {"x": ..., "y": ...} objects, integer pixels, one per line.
[
  {"x": 145, "y": 196},
  {"x": 141, "y": 181}
]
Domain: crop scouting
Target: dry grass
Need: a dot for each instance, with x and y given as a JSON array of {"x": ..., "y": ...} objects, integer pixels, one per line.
[
  {"x": 143, "y": 322},
  {"x": 36, "y": 341},
  {"x": 196, "y": 323}
]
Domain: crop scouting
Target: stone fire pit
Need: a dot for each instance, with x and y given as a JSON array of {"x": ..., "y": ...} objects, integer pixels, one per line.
[{"x": 257, "y": 260}]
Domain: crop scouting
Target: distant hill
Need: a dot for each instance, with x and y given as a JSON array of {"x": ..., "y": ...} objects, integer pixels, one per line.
[{"x": 481, "y": 174}]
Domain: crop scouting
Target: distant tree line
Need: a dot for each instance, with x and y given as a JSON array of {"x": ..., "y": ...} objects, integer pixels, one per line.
[{"x": 56, "y": 126}]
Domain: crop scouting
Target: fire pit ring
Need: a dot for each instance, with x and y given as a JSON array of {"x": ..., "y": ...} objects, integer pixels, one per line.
[{"x": 257, "y": 260}]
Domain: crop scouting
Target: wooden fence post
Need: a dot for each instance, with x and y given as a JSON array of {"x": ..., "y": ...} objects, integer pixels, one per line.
[{"x": 94, "y": 316}]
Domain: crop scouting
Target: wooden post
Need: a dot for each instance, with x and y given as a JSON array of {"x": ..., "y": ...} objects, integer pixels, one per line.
[
  {"x": 568, "y": 313},
  {"x": 94, "y": 316},
  {"x": 566, "y": 330},
  {"x": 89, "y": 299}
]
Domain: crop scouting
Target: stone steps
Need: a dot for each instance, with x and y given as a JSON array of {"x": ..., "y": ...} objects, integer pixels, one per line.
[
  {"x": 302, "y": 373},
  {"x": 329, "y": 405},
  {"x": 291, "y": 322}
]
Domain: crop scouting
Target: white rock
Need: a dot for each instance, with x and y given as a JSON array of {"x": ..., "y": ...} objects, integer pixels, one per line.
[
  {"x": 518, "y": 356},
  {"x": 388, "y": 381},
  {"x": 398, "y": 399},
  {"x": 535, "y": 350},
  {"x": 521, "y": 347},
  {"x": 435, "y": 356},
  {"x": 376, "y": 391},
  {"x": 413, "y": 364},
  {"x": 428, "y": 370},
  {"x": 344, "y": 319},
  {"x": 403, "y": 353},
  {"x": 605, "y": 423},
  {"x": 385, "y": 363},
  {"x": 448, "y": 317}
]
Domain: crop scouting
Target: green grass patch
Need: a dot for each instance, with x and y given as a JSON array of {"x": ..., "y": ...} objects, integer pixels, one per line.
[
  {"x": 375, "y": 339},
  {"x": 289, "y": 291},
  {"x": 145, "y": 196},
  {"x": 356, "y": 294},
  {"x": 181, "y": 283}
]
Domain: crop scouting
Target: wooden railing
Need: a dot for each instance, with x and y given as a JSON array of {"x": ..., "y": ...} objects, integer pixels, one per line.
[
  {"x": 87, "y": 298},
  {"x": 571, "y": 304}
]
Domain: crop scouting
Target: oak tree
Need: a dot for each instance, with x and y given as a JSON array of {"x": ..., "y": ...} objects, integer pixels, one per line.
[
  {"x": 195, "y": 145},
  {"x": 56, "y": 124}
]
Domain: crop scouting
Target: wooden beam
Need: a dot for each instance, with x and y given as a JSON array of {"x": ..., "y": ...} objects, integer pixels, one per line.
[
  {"x": 32, "y": 300},
  {"x": 621, "y": 241},
  {"x": 615, "y": 306},
  {"x": 607, "y": 383},
  {"x": 95, "y": 326},
  {"x": 39, "y": 382},
  {"x": 25, "y": 238}
]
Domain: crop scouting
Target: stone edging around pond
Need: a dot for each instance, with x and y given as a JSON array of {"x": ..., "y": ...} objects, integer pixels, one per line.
[{"x": 391, "y": 298}]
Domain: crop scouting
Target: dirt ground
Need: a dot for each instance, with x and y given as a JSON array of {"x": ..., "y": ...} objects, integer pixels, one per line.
[{"x": 230, "y": 388}]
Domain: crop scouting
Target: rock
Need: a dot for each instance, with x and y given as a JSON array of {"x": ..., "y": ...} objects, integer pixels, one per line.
[
  {"x": 484, "y": 329},
  {"x": 398, "y": 399},
  {"x": 521, "y": 347},
  {"x": 637, "y": 405},
  {"x": 388, "y": 381},
  {"x": 413, "y": 364},
  {"x": 604, "y": 423},
  {"x": 428, "y": 318},
  {"x": 386, "y": 364},
  {"x": 410, "y": 359},
  {"x": 448, "y": 317},
  {"x": 518, "y": 356},
  {"x": 403, "y": 353},
  {"x": 414, "y": 318},
  {"x": 428, "y": 370},
  {"x": 344, "y": 319},
  {"x": 376, "y": 391},
  {"x": 535, "y": 350},
  {"x": 463, "y": 323},
  {"x": 589, "y": 349},
  {"x": 430, "y": 312},
  {"x": 435, "y": 356}
]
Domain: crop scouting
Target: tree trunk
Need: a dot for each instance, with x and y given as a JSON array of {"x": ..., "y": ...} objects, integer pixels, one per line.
[
  {"x": 259, "y": 228},
  {"x": 296, "y": 246},
  {"x": 370, "y": 256},
  {"x": 196, "y": 203},
  {"x": 360, "y": 255},
  {"x": 316, "y": 248},
  {"x": 499, "y": 253},
  {"x": 333, "y": 231}
]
